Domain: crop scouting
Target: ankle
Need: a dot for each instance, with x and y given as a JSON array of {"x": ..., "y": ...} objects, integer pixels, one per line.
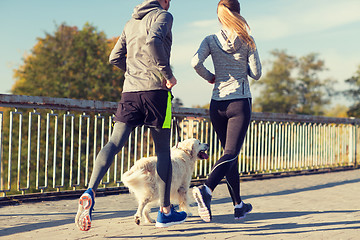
[
  {"x": 92, "y": 190},
  {"x": 240, "y": 205},
  {"x": 208, "y": 190},
  {"x": 165, "y": 210}
]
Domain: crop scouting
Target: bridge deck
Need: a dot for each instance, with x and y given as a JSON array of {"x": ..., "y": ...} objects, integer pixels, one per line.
[{"x": 321, "y": 206}]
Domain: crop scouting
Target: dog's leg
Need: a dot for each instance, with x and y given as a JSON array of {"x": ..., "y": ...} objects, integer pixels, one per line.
[
  {"x": 139, "y": 211},
  {"x": 146, "y": 214},
  {"x": 184, "y": 200}
]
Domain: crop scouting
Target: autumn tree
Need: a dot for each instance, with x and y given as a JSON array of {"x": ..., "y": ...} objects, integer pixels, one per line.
[{"x": 70, "y": 63}]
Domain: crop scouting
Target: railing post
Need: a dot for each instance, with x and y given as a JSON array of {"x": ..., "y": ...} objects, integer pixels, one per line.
[
  {"x": 1, "y": 153},
  {"x": 356, "y": 142},
  {"x": 355, "y": 130},
  {"x": 352, "y": 143}
]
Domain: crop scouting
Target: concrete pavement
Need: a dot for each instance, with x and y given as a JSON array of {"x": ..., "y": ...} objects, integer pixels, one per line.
[{"x": 320, "y": 206}]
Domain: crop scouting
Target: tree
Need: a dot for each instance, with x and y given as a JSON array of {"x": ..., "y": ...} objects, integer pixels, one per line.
[
  {"x": 177, "y": 102},
  {"x": 278, "y": 86},
  {"x": 71, "y": 63},
  {"x": 353, "y": 94},
  {"x": 313, "y": 93},
  {"x": 293, "y": 85}
]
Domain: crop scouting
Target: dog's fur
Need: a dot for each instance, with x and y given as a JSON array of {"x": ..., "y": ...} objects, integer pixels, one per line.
[{"x": 142, "y": 179}]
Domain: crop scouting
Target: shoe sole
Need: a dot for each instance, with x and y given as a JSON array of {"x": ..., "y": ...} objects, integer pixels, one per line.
[
  {"x": 164, "y": 225},
  {"x": 239, "y": 218},
  {"x": 82, "y": 219},
  {"x": 203, "y": 211}
]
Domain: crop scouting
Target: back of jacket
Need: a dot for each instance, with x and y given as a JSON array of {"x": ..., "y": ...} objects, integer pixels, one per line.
[
  {"x": 233, "y": 61},
  {"x": 143, "y": 49}
]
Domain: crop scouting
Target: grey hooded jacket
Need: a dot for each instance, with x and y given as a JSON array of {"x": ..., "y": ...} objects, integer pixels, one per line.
[
  {"x": 143, "y": 49},
  {"x": 233, "y": 62}
]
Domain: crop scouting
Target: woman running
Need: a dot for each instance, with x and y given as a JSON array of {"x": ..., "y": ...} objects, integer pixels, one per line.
[{"x": 235, "y": 57}]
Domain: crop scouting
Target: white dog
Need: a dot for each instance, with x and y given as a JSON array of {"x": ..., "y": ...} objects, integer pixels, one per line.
[{"x": 142, "y": 179}]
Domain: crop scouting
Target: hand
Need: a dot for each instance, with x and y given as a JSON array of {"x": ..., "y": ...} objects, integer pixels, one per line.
[
  {"x": 171, "y": 83},
  {"x": 212, "y": 81}
]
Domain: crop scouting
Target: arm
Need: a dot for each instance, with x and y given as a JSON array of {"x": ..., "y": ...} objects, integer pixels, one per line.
[
  {"x": 197, "y": 62},
  {"x": 118, "y": 54},
  {"x": 158, "y": 32},
  {"x": 254, "y": 64}
]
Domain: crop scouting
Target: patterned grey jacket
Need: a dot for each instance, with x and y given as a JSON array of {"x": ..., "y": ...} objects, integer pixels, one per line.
[{"x": 233, "y": 62}]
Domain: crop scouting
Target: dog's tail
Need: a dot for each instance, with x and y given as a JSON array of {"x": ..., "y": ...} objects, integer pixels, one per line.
[
  {"x": 132, "y": 178},
  {"x": 137, "y": 175}
]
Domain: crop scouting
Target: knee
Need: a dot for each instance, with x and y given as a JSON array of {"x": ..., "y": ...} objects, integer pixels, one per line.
[{"x": 113, "y": 147}]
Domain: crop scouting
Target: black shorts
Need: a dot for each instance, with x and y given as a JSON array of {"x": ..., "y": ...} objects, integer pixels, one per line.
[{"x": 149, "y": 108}]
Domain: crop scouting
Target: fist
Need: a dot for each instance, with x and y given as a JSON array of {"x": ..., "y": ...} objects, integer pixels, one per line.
[
  {"x": 212, "y": 81},
  {"x": 171, "y": 83}
]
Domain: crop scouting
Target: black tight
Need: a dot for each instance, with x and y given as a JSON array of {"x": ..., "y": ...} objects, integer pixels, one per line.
[{"x": 230, "y": 119}]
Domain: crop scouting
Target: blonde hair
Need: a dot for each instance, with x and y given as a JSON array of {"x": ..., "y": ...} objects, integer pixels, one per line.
[{"x": 229, "y": 16}]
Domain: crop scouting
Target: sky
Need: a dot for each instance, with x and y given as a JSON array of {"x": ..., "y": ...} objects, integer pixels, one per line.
[{"x": 330, "y": 28}]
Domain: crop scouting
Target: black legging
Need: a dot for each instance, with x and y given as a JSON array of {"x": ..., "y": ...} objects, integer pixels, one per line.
[{"x": 230, "y": 119}]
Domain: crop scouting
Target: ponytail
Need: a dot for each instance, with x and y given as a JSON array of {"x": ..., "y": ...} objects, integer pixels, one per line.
[{"x": 229, "y": 16}]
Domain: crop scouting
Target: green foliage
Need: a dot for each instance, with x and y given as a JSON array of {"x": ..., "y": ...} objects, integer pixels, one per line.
[
  {"x": 354, "y": 94},
  {"x": 70, "y": 63},
  {"x": 293, "y": 85},
  {"x": 277, "y": 94},
  {"x": 313, "y": 93}
]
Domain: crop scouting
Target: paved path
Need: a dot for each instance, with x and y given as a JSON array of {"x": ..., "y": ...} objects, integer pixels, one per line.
[{"x": 321, "y": 206}]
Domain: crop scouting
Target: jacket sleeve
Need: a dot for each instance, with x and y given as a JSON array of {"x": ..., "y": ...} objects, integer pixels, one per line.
[
  {"x": 155, "y": 41},
  {"x": 118, "y": 54},
  {"x": 197, "y": 61},
  {"x": 254, "y": 64}
]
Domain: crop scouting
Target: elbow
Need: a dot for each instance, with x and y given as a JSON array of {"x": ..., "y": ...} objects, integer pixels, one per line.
[
  {"x": 112, "y": 59},
  {"x": 255, "y": 72},
  {"x": 119, "y": 63},
  {"x": 258, "y": 73},
  {"x": 257, "y": 76},
  {"x": 195, "y": 62}
]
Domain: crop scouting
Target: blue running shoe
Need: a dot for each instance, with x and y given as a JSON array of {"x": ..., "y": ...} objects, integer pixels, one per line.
[
  {"x": 167, "y": 221},
  {"x": 240, "y": 213},
  {"x": 203, "y": 199},
  {"x": 86, "y": 206}
]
